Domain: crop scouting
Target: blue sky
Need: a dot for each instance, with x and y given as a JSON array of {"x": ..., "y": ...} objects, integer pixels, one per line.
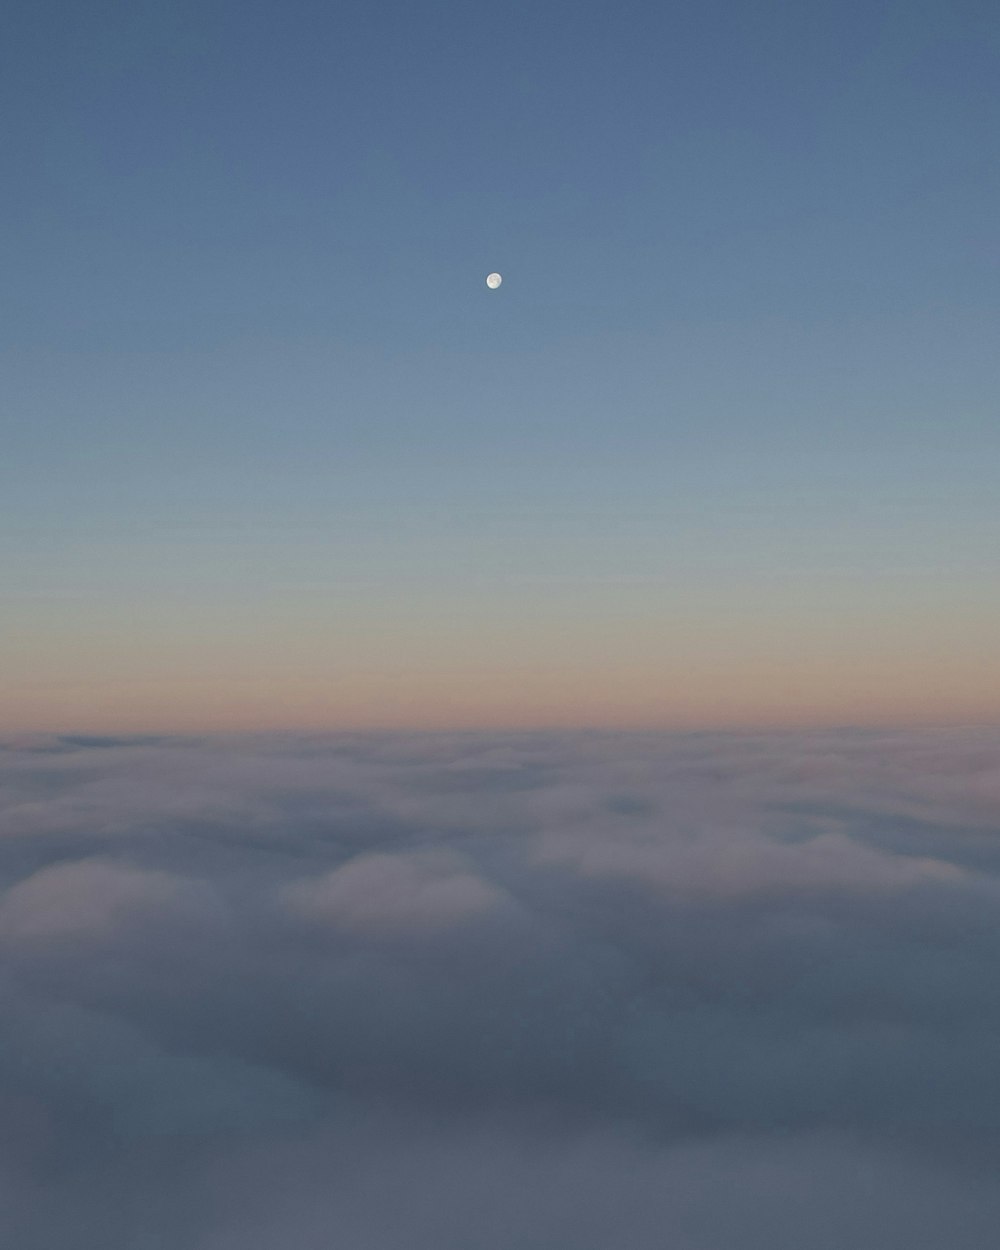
[{"x": 748, "y": 321}]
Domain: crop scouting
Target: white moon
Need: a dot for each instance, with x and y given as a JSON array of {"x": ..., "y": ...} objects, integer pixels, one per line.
[{"x": 493, "y": 281}]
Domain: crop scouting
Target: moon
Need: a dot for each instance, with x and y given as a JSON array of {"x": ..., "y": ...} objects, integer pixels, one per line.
[{"x": 493, "y": 281}]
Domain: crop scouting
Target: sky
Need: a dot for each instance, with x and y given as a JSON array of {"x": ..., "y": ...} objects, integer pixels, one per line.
[
  {"x": 554, "y": 991},
  {"x": 721, "y": 451}
]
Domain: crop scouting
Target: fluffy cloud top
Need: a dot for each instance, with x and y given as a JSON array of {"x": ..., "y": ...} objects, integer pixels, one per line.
[
  {"x": 396, "y": 894},
  {"x": 86, "y": 898},
  {"x": 713, "y": 991}
]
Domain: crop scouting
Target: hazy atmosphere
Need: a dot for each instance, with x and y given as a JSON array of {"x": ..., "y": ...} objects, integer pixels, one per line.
[{"x": 499, "y": 601}]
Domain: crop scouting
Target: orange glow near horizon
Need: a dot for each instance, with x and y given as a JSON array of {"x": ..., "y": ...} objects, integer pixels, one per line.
[
  {"x": 695, "y": 696},
  {"x": 746, "y": 655}
]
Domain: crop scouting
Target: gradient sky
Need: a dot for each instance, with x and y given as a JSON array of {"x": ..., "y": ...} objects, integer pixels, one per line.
[{"x": 722, "y": 450}]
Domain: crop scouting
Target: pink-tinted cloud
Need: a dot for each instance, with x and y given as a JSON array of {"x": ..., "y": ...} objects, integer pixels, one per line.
[
  {"x": 393, "y": 894},
  {"x": 732, "y": 991},
  {"x": 91, "y": 899}
]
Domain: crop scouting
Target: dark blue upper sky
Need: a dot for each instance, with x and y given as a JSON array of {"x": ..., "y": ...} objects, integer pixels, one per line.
[
  {"x": 186, "y": 178},
  {"x": 183, "y": 176}
]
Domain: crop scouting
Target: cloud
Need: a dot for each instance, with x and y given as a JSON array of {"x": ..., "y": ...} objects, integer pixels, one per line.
[
  {"x": 87, "y": 898},
  {"x": 401, "y": 893},
  {"x": 730, "y": 863},
  {"x": 719, "y": 991}
]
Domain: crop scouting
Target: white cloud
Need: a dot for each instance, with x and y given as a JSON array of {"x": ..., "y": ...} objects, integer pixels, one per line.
[
  {"x": 735, "y": 863},
  {"x": 88, "y": 898},
  {"x": 548, "y": 989},
  {"x": 390, "y": 894}
]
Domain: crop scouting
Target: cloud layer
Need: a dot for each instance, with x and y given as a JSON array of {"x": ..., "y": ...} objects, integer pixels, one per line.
[{"x": 716, "y": 992}]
